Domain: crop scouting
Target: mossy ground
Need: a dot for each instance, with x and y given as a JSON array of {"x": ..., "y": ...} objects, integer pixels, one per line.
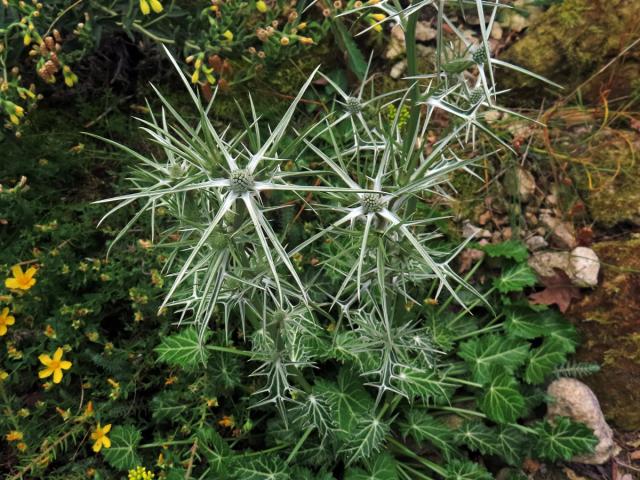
[{"x": 608, "y": 320}]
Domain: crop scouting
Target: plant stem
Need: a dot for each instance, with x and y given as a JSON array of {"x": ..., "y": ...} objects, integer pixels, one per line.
[
  {"x": 234, "y": 351},
  {"x": 427, "y": 463},
  {"x": 303, "y": 439}
]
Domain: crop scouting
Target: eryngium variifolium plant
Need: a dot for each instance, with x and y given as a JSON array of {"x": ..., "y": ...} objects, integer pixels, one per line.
[{"x": 317, "y": 252}]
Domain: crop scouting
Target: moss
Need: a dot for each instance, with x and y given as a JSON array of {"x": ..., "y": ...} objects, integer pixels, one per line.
[
  {"x": 613, "y": 170},
  {"x": 572, "y": 39},
  {"x": 608, "y": 321}
]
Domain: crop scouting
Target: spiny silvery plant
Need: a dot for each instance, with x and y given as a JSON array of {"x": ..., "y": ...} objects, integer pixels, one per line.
[{"x": 349, "y": 287}]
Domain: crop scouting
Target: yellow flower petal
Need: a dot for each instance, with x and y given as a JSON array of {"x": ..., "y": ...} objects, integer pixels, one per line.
[
  {"x": 3, "y": 330},
  {"x": 58, "y": 354},
  {"x": 11, "y": 283},
  {"x": 16, "y": 270},
  {"x": 45, "y": 373},
  {"x": 106, "y": 443},
  {"x": 97, "y": 446},
  {"x": 106, "y": 428},
  {"x": 65, "y": 365},
  {"x": 30, "y": 272},
  {"x": 45, "y": 359},
  {"x": 156, "y": 6},
  {"x": 57, "y": 376}
]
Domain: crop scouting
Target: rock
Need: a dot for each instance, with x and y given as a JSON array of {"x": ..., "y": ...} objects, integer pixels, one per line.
[
  {"x": 470, "y": 230},
  {"x": 398, "y": 69},
  {"x": 607, "y": 321},
  {"x": 536, "y": 242},
  {"x": 544, "y": 263},
  {"x": 520, "y": 183},
  {"x": 570, "y": 41},
  {"x": 562, "y": 233},
  {"x": 496, "y": 31},
  {"x": 424, "y": 32},
  {"x": 396, "y": 45},
  {"x": 584, "y": 266},
  {"x": 581, "y": 265},
  {"x": 572, "y": 398}
]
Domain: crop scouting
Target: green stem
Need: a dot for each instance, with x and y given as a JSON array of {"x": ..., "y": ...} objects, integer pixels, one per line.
[
  {"x": 162, "y": 444},
  {"x": 299, "y": 444},
  {"x": 488, "y": 328},
  {"x": 234, "y": 351},
  {"x": 414, "y": 472},
  {"x": 427, "y": 463}
]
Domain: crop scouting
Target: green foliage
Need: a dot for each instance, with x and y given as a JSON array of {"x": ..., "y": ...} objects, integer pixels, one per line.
[
  {"x": 562, "y": 439},
  {"x": 124, "y": 441},
  {"x": 516, "y": 279},
  {"x": 183, "y": 349},
  {"x": 323, "y": 332}
]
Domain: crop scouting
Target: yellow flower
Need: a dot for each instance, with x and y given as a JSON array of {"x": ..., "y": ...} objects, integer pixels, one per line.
[
  {"x": 54, "y": 365},
  {"x": 3, "y": 375},
  {"x": 140, "y": 473},
  {"x": 261, "y": 6},
  {"x": 21, "y": 446},
  {"x": 228, "y": 34},
  {"x": 21, "y": 280},
  {"x": 5, "y": 320},
  {"x": 99, "y": 437},
  {"x": 14, "y": 436},
  {"x": 156, "y": 6},
  {"x": 144, "y": 7},
  {"x": 378, "y": 17},
  {"x": 227, "y": 422}
]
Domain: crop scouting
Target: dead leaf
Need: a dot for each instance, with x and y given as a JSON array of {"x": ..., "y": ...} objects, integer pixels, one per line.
[
  {"x": 571, "y": 475},
  {"x": 558, "y": 291},
  {"x": 635, "y": 455},
  {"x": 530, "y": 465},
  {"x": 468, "y": 257}
]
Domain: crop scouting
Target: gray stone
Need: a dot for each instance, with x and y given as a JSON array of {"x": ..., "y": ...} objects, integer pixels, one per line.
[
  {"x": 544, "y": 263},
  {"x": 572, "y": 398},
  {"x": 584, "y": 267},
  {"x": 562, "y": 233}
]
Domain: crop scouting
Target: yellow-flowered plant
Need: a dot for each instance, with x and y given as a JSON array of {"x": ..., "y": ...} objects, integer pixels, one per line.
[
  {"x": 21, "y": 280},
  {"x": 140, "y": 473},
  {"x": 99, "y": 437},
  {"x": 54, "y": 365},
  {"x": 5, "y": 321},
  {"x": 147, "y": 5}
]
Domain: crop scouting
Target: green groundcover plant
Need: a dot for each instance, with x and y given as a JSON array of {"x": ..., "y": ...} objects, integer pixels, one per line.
[{"x": 323, "y": 331}]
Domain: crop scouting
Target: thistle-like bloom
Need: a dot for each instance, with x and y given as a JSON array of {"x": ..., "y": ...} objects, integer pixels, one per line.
[
  {"x": 99, "y": 437},
  {"x": 54, "y": 365},
  {"x": 21, "y": 280},
  {"x": 5, "y": 321}
]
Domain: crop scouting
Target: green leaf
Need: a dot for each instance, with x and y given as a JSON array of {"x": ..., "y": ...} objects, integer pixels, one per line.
[
  {"x": 484, "y": 354},
  {"x": 516, "y": 279},
  {"x": 562, "y": 439},
  {"x": 425, "y": 428},
  {"x": 561, "y": 332},
  {"x": 429, "y": 386},
  {"x": 543, "y": 361},
  {"x": 525, "y": 323},
  {"x": 167, "y": 406},
  {"x": 122, "y": 453},
  {"x": 348, "y": 400},
  {"x": 183, "y": 349},
  {"x": 477, "y": 437},
  {"x": 512, "y": 249},
  {"x": 510, "y": 444},
  {"x": 501, "y": 401},
  {"x": 384, "y": 467},
  {"x": 263, "y": 467},
  {"x": 356, "y": 60},
  {"x": 465, "y": 470},
  {"x": 367, "y": 439},
  {"x": 213, "y": 447}
]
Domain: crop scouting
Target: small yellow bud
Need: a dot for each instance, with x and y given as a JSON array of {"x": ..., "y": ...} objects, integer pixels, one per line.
[
  {"x": 156, "y": 6},
  {"x": 228, "y": 35},
  {"x": 378, "y": 17},
  {"x": 261, "y": 6},
  {"x": 284, "y": 41}
]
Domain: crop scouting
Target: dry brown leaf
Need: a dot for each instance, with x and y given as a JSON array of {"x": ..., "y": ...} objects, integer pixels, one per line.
[
  {"x": 559, "y": 291},
  {"x": 571, "y": 475}
]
